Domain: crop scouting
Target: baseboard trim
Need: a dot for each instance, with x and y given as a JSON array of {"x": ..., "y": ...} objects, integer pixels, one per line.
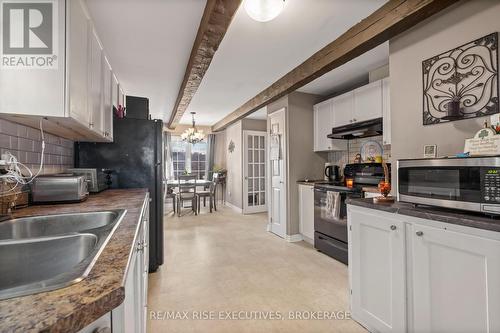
[
  {"x": 294, "y": 238},
  {"x": 268, "y": 227},
  {"x": 233, "y": 207},
  {"x": 308, "y": 240}
]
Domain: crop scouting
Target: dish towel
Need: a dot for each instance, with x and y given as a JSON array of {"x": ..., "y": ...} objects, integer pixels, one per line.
[{"x": 333, "y": 204}]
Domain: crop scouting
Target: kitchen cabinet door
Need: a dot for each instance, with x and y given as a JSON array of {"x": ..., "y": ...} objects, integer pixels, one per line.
[
  {"x": 115, "y": 91},
  {"x": 456, "y": 281},
  {"x": 107, "y": 100},
  {"x": 78, "y": 65},
  {"x": 386, "y": 110},
  {"x": 306, "y": 212},
  {"x": 343, "y": 107},
  {"x": 377, "y": 270},
  {"x": 95, "y": 103},
  {"x": 368, "y": 102},
  {"x": 323, "y": 123}
]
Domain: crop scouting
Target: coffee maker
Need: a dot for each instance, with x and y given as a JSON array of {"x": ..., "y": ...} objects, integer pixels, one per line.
[{"x": 332, "y": 172}]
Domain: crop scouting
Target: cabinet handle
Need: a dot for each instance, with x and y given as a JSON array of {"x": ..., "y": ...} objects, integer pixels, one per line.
[
  {"x": 354, "y": 120},
  {"x": 419, "y": 233},
  {"x": 393, "y": 227},
  {"x": 140, "y": 246},
  {"x": 91, "y": 125}
]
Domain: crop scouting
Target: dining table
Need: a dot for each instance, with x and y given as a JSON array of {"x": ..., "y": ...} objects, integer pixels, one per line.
[{"x": 172, "y": 184}]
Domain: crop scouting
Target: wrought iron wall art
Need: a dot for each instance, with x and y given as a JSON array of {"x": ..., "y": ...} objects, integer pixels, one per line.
[{"x": 462, "y": 83}]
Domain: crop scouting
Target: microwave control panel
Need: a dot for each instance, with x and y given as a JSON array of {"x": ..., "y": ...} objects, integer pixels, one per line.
[{"x": 491, "y": 185}]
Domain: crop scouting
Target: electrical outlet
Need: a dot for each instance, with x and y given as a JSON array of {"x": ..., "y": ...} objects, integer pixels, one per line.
[{"x": 495, "y": 119}]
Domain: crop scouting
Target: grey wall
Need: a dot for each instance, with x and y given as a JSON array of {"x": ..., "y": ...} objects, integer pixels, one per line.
[
  {"x": 464, "y": 22},
  {"x": 234, "y": 160},
  {"x": 220, "y": 149},
  {"x": 302, "y": 161},
  {"x": 254, "y": 125}
]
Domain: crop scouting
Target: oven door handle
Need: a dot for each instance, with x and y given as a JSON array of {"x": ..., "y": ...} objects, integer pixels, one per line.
[
  {"x": 330, "y": 243},
  {"x": 320, "y": 190}
]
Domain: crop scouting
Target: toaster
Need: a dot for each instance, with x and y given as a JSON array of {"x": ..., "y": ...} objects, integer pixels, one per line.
[
  {"x": 98, "y": 179},
  {"x": 59, "y": 188}
]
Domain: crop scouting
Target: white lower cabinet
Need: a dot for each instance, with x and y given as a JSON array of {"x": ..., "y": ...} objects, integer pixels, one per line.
[
  {"x": 414, "y": 275},
  {"x": 101, "y": 325},
  {"x": 377, "y": 270},
  {"x": 456, "y": 281},
  {"x": 306, "y": 212},
  {"x": 131, "y": 315}
]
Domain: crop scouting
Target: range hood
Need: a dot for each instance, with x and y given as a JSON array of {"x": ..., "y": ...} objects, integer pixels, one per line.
[{"x": 362, "y": 129}]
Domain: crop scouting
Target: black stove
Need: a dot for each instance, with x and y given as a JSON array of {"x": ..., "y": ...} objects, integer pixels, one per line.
[{"x": 330, "y": 228}]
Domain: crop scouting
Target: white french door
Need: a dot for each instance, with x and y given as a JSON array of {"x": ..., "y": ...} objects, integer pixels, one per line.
[
  {"x": 277, "y": 173},
  {"x": 254, "y": 173}
]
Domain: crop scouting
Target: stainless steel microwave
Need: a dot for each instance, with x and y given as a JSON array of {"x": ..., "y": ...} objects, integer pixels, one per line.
[{"x": 471, "y": 183}]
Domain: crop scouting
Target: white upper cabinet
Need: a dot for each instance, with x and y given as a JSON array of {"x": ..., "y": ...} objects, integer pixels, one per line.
[
  {"x": 343, "y": 108},
  {"x": 107, "y": 100},
  {"x": 368, "y": 102},
  {"x": 323, "y": 123},
  {"x": 115, "y": 91},
  {"x": 75, "y": 97},
  {"x": 79, "y": 28},
  {"x": 365, "y": 103},
  {"x": 95, "y": 83},
  {"x": 386, "y": 110}
]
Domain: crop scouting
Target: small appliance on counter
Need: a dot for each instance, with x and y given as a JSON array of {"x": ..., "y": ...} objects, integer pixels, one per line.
[
  {"x": 98, "y": 179},
  {"x": 59, "y": 188},
  {"x": 471, "y": 184},
  {"x": 330, "y": 209},
  {"x": 332, "y": 172}
]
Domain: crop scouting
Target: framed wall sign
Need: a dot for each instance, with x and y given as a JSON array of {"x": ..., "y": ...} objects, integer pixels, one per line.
[{"x": 461, "y": 83}]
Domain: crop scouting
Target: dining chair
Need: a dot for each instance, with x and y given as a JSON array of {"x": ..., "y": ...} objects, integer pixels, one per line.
[
  {"x": 210, "y": 194},
  {"x": 187, "y": 192},
  {"x": 170, "y": 193}
]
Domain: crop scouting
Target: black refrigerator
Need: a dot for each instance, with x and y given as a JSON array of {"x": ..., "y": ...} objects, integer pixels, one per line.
[{"x": 136, "y": 158}]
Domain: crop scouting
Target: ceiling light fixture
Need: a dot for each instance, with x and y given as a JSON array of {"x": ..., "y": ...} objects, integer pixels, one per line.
[
  {"x": 264, "y": 10},
  {"x": 192, "y": 135}
]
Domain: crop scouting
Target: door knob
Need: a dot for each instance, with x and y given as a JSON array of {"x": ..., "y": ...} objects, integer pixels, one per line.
[
  {"x": 419, "y": 233},
  {"x": 393, "y": 227}
]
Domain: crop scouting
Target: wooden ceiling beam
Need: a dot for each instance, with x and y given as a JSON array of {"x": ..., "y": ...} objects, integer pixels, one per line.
[
  {"x": 393, "y": 18},
  {"x": 215, "y": 21}
]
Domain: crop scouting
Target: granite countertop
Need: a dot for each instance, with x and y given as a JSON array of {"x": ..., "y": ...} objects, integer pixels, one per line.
[
  {"x": 74, "y": 307},
  {"x": 469, "y": 219},
  {"x": 309, "y": 182}
]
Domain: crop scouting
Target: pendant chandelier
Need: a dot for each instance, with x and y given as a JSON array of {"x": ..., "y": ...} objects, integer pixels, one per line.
[{"x": 192, "y": 135}]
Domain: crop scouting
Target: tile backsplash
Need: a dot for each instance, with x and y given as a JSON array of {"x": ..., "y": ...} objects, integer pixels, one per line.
[
  {"x": 26, "y": 144},
  {"x": 341, "y": 158}
]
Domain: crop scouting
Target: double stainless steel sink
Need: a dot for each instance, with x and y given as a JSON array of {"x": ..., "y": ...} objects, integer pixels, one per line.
[{"x": 43, "y": 253}]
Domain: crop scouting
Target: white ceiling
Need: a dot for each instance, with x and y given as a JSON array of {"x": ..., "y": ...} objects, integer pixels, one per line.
[
  {"x": 148, "y": 43},
  {"x": 353, "y": 71},
  {"x": 253, "y": 55}
]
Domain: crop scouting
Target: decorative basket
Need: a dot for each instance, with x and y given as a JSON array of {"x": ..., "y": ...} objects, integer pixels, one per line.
[{"x": 8, "y": 198}]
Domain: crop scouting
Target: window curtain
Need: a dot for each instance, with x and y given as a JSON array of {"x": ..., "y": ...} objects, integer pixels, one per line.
[
  {"x": 169, "y": 164},
  {"x": 209, "y": 165}
]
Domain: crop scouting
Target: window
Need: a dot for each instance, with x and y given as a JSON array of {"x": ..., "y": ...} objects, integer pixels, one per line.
[{"x": 188, "y": 158}]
